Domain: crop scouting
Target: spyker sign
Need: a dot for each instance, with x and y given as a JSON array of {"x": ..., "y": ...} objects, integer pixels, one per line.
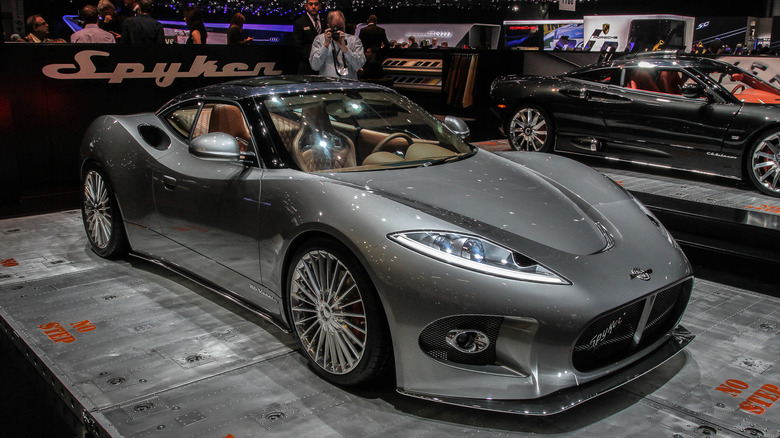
[{"x": 163, "y": 73}]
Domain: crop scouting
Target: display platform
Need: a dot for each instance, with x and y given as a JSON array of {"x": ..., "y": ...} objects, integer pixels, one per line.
[
  {"x": 136, "y": 351},
  {"x": 717, "y": 214}
]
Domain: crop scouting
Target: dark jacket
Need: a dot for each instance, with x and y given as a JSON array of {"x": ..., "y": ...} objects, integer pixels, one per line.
[
  {"x": 373, "y": 36},
  {"x": 303, "y": 35},
  {"x": 142, "y": 29}
]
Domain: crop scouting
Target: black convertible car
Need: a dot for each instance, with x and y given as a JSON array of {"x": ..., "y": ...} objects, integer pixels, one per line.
[{"x": 672, "y": 110}]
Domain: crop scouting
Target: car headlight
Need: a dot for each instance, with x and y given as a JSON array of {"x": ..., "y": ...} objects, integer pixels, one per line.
[{"x": 477, "y": 254}]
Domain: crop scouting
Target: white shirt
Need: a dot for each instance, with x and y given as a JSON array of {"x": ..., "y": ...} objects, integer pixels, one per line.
[{"x": 325, "y": 59}]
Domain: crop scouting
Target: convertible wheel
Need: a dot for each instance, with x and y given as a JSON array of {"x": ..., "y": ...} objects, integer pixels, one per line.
[
  {"x": 530, "y": 129},
  {"x": 101, "y": 216},
  {"x": 764, "y": 164},
  {"x": 336, "y": 314}
]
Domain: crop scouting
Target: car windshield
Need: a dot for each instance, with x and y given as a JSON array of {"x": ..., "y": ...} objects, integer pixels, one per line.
[
  {"x": 357, "y": 130},
  {"x": 743, "y": 85}
]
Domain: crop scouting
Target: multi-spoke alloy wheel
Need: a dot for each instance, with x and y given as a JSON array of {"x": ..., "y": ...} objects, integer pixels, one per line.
[
  {"x": 530, "y": 129},
  {"x": 764, "y": 164},
  {"x": 97, "y": 209},
  {"x": 102, "y": 220},
  {"x": 336, "y": 315}
]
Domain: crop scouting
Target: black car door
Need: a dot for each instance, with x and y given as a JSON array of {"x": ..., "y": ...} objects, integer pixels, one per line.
[{"x": 651, "y": 120}]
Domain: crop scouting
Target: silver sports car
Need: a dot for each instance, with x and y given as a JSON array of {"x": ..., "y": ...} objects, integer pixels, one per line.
[{"x": 384, "y": 242}]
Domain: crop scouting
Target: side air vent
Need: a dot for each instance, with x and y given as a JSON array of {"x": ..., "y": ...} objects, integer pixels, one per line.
[{"x": 155, "y": 137}]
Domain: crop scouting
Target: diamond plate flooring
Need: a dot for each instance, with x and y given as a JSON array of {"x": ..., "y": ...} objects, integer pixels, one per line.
[{"x": 143, "y": 352}]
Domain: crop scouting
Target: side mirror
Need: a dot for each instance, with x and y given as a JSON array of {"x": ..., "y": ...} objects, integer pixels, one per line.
[
  {"x": 458, "y": 126},
  {"x": 692, "y": 91},
  {"x": 216, "y": 146}
]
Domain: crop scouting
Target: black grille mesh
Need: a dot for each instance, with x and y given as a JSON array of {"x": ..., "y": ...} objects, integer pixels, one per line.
[
  {"x": 610, "y": 338},
  {"x": 432, "y": 339}
]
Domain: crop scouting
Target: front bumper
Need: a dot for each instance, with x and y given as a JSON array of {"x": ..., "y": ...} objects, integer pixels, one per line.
[{"x": 570, "y": 397}]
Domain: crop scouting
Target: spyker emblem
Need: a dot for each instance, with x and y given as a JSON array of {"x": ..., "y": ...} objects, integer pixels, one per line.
[{"x": 642, "y": 274}]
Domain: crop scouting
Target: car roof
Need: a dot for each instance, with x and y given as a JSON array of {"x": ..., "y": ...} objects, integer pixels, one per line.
[
  {"x": 270, "y": 85},
  {"x": 659, "y": 59}
]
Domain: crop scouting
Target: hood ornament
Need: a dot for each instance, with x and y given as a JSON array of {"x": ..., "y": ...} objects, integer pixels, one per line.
[{"x": 642, "y": 274}]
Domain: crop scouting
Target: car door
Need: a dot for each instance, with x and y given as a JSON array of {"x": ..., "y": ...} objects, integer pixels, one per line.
[
  {"x": 210, "y": 208},
  {"x": 653, "y": 122},
  {"x": 579, "y": 115}
]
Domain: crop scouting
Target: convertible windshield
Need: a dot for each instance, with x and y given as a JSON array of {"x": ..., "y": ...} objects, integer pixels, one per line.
[
  {"x": 351, "y": 130},
  {"x": 743, "y": 85}
]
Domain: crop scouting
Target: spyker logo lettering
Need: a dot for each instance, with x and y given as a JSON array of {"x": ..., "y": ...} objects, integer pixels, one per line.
[
  {"x": 162, "y": 73},
  {"x": 642, "y": 274},
  {"x": 719, "y": 155},
  {"x": 597, "y": 340}
]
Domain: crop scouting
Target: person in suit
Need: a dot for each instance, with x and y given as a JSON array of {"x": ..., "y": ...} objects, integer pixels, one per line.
[
  {"x": 305, "y": 29},
  {"x": 372, "y": 35}
]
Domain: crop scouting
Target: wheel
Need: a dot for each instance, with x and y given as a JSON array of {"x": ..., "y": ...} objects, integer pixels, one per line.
[
  {"x": 763, "y": 164},
  {"x": 530, "y": 129},
  {"x": 102, "y": 219},
  {"x": 379, "y": 146},
  {"x": 336, "y": 314}
]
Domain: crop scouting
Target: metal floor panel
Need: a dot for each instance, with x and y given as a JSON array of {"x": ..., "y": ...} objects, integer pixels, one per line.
[{"x": 146, "y": 353}]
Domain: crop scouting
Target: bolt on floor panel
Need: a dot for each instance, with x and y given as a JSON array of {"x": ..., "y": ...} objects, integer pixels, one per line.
[{"x": 144, "y": 353}]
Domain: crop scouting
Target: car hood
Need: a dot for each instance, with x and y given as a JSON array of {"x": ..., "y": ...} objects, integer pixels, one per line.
[{"x": 492, "y": 197}]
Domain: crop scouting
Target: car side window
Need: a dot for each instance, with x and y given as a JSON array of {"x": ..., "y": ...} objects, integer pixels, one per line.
[
  {"x": 601, "y": 76},
  {"x": 223, "y": 117},
  {"x": 182, "y": 119},
  {"x": 657, "y": 80}
]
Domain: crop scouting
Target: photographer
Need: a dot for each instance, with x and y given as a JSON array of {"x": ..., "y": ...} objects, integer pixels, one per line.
[{"x": 336, "y": 53}]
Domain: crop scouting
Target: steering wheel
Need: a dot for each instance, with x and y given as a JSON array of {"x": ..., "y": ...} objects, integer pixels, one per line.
[
  {"x": 738, "y": 88},
  {"x": 379, "y": 146}
]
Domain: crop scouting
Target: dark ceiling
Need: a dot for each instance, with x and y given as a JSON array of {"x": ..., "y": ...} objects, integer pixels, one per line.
[{"x": 431, "y": 11}]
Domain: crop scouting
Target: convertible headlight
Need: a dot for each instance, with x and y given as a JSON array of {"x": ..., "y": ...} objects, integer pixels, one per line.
[{"x": 477, "y": 254}]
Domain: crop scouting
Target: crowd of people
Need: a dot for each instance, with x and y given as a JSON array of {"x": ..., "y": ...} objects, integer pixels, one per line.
[
  {"x": 326, "y": 45},
  {"x": 131, "y": 23}
]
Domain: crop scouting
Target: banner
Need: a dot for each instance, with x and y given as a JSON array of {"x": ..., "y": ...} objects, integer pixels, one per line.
[{"x": 53, "y": 92}]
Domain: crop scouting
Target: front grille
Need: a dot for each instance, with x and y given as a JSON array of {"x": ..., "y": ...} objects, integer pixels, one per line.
[
  {"x": 433, "y": 343},
  {"x": 620, "y": 333}
]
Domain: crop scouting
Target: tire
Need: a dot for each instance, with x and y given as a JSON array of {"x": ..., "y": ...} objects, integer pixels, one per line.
[
  {"x": 763, "y": 164},
  {"x": 530, "y": 129},
  {"x": 100, "y": 213},
  {"x": 346, "y": 345}
]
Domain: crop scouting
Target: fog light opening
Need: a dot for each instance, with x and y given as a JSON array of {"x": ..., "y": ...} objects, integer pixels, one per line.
[{"x": 467, "y": 341}]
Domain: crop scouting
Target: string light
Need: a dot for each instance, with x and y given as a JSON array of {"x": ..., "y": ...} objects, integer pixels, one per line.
[{"x": 284, "y": 7}]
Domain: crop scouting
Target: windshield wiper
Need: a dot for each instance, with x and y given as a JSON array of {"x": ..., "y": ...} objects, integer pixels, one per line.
[{"x": 450, "y": 159}]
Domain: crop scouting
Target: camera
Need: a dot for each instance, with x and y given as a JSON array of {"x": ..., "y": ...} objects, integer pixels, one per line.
[{"x": 334, "y": 33}]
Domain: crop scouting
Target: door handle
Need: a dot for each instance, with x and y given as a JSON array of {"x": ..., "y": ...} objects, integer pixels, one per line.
[
  {"x": 577, "y": 93},
  {"x": 169, "y": 182}
]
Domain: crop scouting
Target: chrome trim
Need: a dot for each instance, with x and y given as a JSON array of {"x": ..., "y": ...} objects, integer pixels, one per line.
[
  {"x": 479, "y": 344},
  {"x": 608, "y": 237},
  {"x": 643, "y": 163}
]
